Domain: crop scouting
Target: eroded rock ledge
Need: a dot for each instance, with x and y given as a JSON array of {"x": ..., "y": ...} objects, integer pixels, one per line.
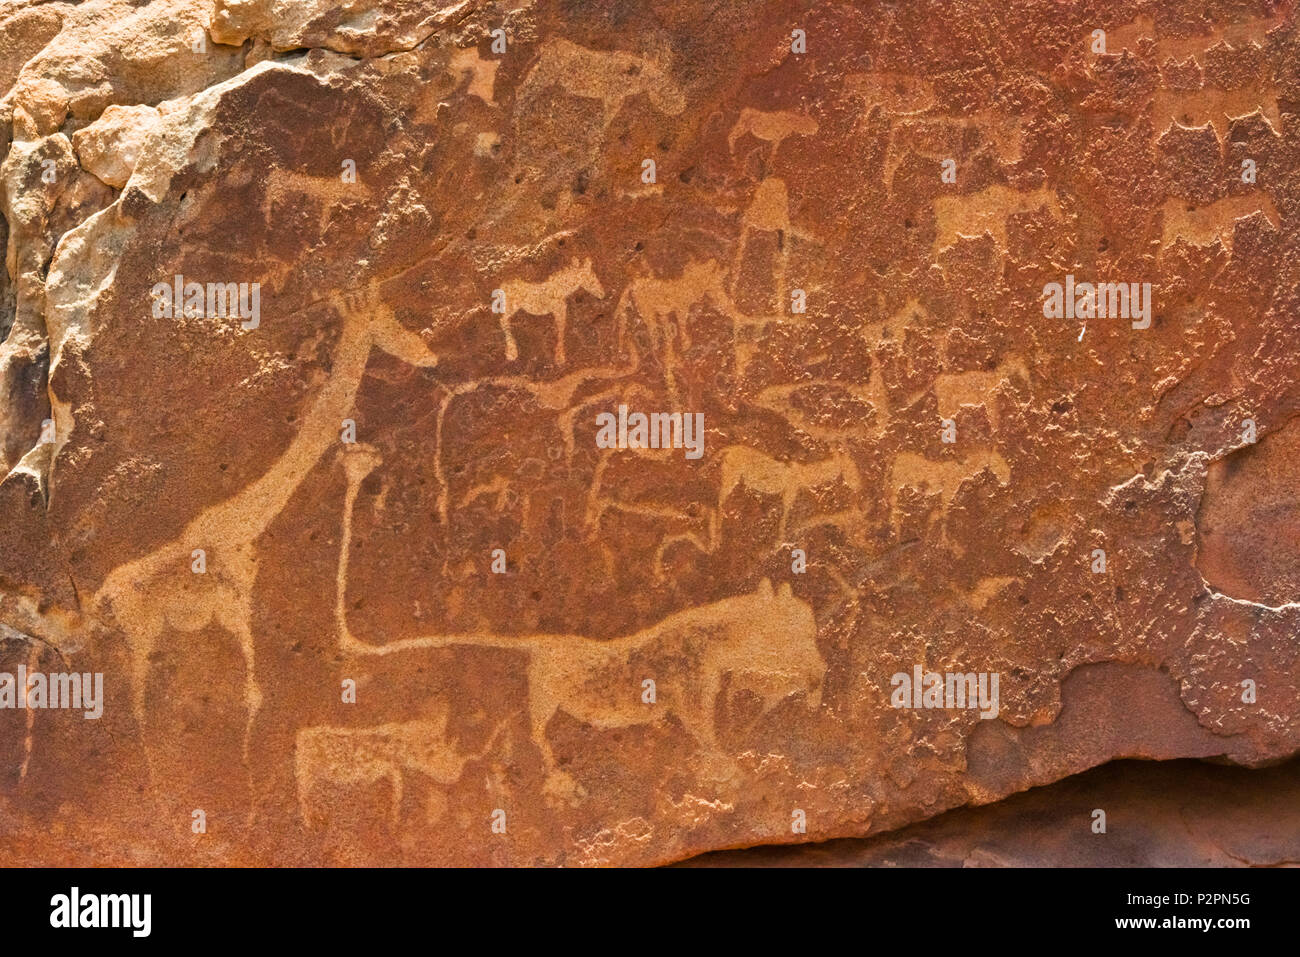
[{"x": 1157, "y": 814}]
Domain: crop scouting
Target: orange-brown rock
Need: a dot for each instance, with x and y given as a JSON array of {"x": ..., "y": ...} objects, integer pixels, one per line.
[
  {"x": 1157, "y": 814},
  {"x": 315, "y": 317}
]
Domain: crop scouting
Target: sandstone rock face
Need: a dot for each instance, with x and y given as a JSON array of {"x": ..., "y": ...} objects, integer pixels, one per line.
[
  {"x": 1165, "y": 814},
  {"x": 110, "y": 146},
  {"x": 316, "y": 317}
]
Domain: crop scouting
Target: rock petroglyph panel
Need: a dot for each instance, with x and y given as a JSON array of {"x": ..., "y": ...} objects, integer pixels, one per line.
[{"x": 612, "y": 413}]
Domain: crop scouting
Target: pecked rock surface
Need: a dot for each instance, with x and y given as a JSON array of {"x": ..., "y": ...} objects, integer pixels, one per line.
[{"x": 364, "y": 586}]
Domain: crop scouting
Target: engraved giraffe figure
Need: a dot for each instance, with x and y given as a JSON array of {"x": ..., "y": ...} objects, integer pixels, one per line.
[{"x": 158, "y": 591}]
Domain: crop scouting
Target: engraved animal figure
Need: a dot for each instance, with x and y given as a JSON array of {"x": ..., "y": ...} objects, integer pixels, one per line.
[
  {"x": 676, "y": 520},
  {"x": 781, "y": 399},
  {"x": 897, "y": 94},
  {"x": 1126, "y": 36},
  {"x": 1209, "y": 104},
  {"x": 770, "y": 127},
  {"x": 659, "y": 300},
  {"x": 977, "y": 387},
  {"x": 158, "y": 595},
  {"x": 548, "y": 298},
  {"x": 363, "y": 756},
  {"x": 905, "y": 101},
  {"x": 610, "y": 77},
  {"x": 286, "y": 188},
  {"x": 1194, "y": 108},
  {"x": 482, "y": 73},
  {"x": 942, "y": 137},
  {"x": 765, "y": 639},
  {"x": 760, "y": 472},
  {"x": 1201, "y": 227},
  {"x": 1248, "y": 30},
  {"x": 675, "y": 524},
  {"x": 555, "y": 394},
  {"x": 974, "y": 214},
  {"x": 768, "y": 211},
  {"x": 671, "y": 515},
  {"x": 894, "y": 326},
  {"x": 944, "y": 476}
]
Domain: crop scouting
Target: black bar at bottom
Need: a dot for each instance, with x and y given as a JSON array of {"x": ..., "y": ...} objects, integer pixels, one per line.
[{"x": 648, "y": 908}]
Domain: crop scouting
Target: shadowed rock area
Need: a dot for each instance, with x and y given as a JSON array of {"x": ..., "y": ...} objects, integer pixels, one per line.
[
  {"x": 519, "y": 433},
  {"x": 1158, "y": 814}
]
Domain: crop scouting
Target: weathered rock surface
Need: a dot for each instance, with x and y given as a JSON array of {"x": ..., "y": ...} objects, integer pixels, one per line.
[
  {"x": 182, "y": 508},
  {"x": 1158, "y": 814},
  {"x": 110, "y": 146}
]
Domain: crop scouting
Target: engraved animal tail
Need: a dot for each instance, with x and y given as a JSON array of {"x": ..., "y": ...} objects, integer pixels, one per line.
[{"x": 358, "y": 465}]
